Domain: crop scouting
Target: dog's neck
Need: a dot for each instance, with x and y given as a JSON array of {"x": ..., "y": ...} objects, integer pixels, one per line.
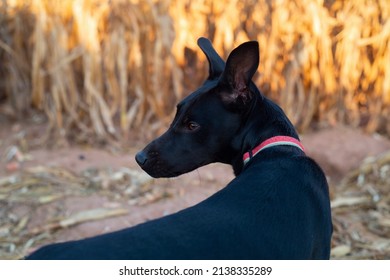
[{"x": 263, "y": 120}]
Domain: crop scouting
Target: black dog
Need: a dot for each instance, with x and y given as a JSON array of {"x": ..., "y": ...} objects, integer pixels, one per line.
[{"x": 276, "y": 208}]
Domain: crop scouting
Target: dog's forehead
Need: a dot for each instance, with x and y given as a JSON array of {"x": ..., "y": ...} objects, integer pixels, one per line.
[{"x": 193, "y": 97}]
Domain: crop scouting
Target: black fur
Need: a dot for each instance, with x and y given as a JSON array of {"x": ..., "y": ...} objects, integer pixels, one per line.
[{"x": 276, "y": 208}]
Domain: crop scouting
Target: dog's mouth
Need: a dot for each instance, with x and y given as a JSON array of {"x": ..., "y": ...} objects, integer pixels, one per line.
[{"x": 152, "y": 163}]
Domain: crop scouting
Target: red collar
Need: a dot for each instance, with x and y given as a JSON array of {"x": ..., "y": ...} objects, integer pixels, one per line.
[{"x": 270, "y": 142}]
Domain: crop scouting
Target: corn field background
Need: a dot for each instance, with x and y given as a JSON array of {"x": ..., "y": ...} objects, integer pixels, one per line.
[
  {"x": 93, "y": 71},
  {"x": 104, "y": 68}
]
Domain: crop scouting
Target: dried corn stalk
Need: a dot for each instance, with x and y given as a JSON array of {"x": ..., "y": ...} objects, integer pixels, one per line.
[{"x": 100, "y": 67}]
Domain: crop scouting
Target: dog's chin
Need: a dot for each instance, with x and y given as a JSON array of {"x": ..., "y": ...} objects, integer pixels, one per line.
[{"x": 166, "y": 172}]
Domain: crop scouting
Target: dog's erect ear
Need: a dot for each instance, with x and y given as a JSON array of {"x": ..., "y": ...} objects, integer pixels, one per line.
[
  {"x": 241, "y": 65},
  {"x": 216, "y": 63}
]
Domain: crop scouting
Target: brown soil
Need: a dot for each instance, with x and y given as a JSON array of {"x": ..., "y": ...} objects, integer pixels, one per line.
[{"x": 24, "y": 223}]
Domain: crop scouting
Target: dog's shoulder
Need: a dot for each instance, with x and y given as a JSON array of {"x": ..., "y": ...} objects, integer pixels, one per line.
[{"x": 274, "y": 169}]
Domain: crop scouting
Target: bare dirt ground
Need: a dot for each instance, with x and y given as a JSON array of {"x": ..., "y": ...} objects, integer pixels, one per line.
[{"x": 57, "y": 194}]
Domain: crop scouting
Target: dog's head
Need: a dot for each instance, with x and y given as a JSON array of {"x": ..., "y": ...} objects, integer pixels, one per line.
[{"x": 208, "y": 120}]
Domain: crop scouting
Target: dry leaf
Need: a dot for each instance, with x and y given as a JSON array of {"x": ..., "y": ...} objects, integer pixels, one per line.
[
  {"x": 80, "y": 217},
  {"x": 340, "y": 251},
  {"x": 349, "y": 201}
]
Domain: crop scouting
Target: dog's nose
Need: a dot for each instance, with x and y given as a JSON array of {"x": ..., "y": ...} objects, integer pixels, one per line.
[{"x": 141, "y": 158}]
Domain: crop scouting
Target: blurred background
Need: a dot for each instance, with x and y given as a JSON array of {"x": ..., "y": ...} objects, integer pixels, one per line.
[{"x": 84, "y": 84}]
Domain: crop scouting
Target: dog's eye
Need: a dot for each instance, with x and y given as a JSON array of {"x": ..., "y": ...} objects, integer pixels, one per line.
[{"x": 192, "y": 126}]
